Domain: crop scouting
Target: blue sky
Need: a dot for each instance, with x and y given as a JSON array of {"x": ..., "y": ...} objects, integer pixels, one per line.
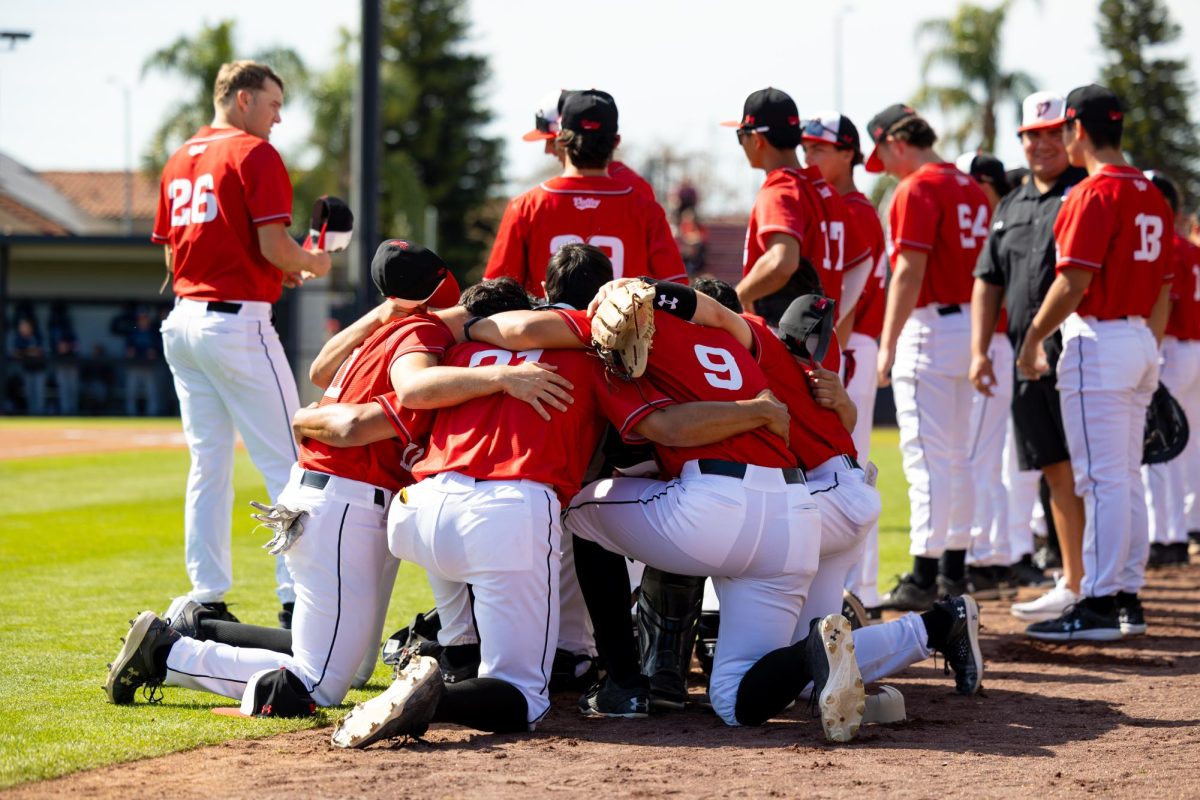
[{"x": 675, "y": 68}]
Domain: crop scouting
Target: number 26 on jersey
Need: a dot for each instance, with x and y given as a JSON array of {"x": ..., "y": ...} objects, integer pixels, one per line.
[{"x": 192, "y": 203}]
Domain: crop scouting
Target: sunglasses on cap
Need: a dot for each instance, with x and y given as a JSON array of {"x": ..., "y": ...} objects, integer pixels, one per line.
[
  {"x": 746, "y": 130},
  {"x": 817, "y": 129}
]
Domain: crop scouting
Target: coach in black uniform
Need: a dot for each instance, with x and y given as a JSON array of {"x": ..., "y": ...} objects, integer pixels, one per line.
[{"x": 1017, "y": 264}]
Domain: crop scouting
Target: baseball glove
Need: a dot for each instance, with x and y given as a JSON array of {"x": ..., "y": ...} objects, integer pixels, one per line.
[
  {"x": 1166, "y": 428},
  {"x": 285, "y": 523},
  {"x": 623, "y": 328}
]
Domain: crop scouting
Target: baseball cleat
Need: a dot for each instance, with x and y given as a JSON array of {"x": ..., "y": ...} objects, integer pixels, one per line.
[
  {"x": 983, "y": 583},
  {"x": 606, "y": 698},
  {"x": 837, "y": 682},
  {"x": 1132, "y": 618},
  {"x": 404, "y": 709},
  {"x": 135, "y": 664},
  {"x": 184, "y": 615},
  {"x": 962, "y": 651},
  {"x": 1079, "y": 623},
  {"x": 908, "y": 595},
  {"x": 854, "y": 611}
]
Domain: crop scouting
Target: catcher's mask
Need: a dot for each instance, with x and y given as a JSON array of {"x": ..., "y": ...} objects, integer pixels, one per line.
[
  {"x": 806, "y": 327},
  {"x": 331, "y": 226},
  {"x": 1167, "y": 428}
]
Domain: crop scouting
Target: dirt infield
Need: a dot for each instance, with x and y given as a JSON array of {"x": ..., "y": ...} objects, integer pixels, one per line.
[
  {"x": 1054, "y": 721},
  {"x": 68, "y": 440}
]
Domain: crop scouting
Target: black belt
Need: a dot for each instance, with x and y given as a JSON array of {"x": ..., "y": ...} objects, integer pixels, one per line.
[
  {"x": 949, "y": 311},
  {"x": 223, "y": 307},
  {"x": 732, "y": 469},
  {"x": 319, "y": 480}
]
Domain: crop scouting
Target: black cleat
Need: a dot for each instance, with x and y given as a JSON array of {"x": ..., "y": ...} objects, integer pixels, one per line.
[
  {"x": 837, "y": 682},
  {"x": 136, "y": 663},
  {"x": 607, "y": 699},
  {"x": 945, "y": 586},
  {"x": 184, "y": 616},
  {"x": 962, "y": 651},
  {"x": 983, "y": 583},
  {"x": 1131, "y": 617},
  {"x": 572, "y": 672},
  {"x": 908, "y": 595},
  {"x": 854, "y": 611}
]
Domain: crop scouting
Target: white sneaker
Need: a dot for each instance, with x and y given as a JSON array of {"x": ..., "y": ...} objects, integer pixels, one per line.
[{"x": 1052, "y": 605}]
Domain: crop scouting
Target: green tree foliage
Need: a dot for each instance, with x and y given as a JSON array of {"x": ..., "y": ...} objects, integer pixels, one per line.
[
  {"x": 969, "y": 45},
  {"x": 1155, "y": 90},
  {"x": 196, "y": 61}
]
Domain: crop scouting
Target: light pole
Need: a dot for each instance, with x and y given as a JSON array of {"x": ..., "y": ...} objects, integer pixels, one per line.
[
  {"x": 127, "y": 96},
  {"x": 838, "y": 14}
]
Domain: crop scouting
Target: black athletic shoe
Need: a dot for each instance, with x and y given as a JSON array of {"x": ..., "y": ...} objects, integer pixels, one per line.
[
  {"x": 668, "y": 691},
  {"x": 1194, "y": 542},
  {"x": 285, "y": 616},
  {"x": 983, "y": 583},
  {"x": 1029, "y": 574},
  {"x": 1046, "y": 559},
  {"x": 607, "y": 699},
  {"x": 184, "y": 616},
  {"x": 1160, "y": 555},
  {"x": 962, "y": 643},
  {"x": 908, "y": 595},
  {"x": 1179, "y": 551},
  {"x": 572, "y": 672},
  {"x": 837, "y": 682},
  {"x": 945, "y": 586},
  {"x": 459, "y": 662},
  {"x": 1079, "y": 623},
  {"x": 1007, "y": 582},
  {"x": 136, "y": 663},
  {"x": 1132, "y": 618},
  {"x": 220, "y": 611}
]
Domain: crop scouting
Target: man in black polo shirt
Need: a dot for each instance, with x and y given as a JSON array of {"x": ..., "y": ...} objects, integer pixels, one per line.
[{"x": 1017, "y": 265}]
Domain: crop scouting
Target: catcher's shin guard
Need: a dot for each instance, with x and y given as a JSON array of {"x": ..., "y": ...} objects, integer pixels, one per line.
[{"x": 668, "y": 608}]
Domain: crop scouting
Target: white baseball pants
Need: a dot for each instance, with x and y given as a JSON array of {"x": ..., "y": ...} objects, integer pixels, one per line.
[
  {"x": 231, "y": 376},
  {"x": 849, "y": 512},
  {"x": 500, "y": 541},
  {"x": 1106, "y": 376},
  {"x": 758, "y": 537},
  {"x": 1167, "y": 485},
  {"x": 338, "y": 564},
  {"x": 933, "y": 410},
  {"x": 1023, "y": 500},
  {"x": 862, "y": 387},
  {"x": 988, "y": 430}
]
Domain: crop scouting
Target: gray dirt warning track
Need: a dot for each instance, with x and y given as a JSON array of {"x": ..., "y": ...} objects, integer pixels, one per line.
[{"x": 1054, "y": 721}]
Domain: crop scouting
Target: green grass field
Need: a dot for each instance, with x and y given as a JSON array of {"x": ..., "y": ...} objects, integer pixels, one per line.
[{"x": 86, "y": 542}]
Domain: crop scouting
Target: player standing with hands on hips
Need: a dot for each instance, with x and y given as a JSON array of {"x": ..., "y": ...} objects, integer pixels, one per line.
[
  {"x": 938, "y": 222},
  {"x": 1114, "y": 251},
  {"x": 224, "y": 206}
]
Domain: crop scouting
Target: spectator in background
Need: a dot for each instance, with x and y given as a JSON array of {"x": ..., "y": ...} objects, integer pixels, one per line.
[
  {"x": 65, "y": 348},
  {"x": 29, "y": 351},
  {"x": 142, "y": 349},
  {"x": 96, "y": 382},
  {"x": 693, "y": 241}
]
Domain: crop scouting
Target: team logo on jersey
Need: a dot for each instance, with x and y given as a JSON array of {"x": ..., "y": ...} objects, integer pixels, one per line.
[
  {"x": 1141, "y": 185},
  {"x": 586, "y": 203},
  {"x": 197, "y": 149}
]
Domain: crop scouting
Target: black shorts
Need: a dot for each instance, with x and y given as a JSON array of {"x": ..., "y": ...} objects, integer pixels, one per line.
[{"x": 1038, "y": 424}]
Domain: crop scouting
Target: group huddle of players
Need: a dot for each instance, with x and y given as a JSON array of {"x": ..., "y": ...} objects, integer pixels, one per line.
[{"x": 479, "y": 435}]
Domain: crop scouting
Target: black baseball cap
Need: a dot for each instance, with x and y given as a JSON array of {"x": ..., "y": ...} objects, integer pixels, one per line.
[
  {"x": 769, "y": 109},
  {"x": 1093, "y": 103},
  {"x": 588, "y": 111},
  {"x": 985, "y": 168},
  {"x": 806, "y": 327},
  {"x": 881, "y": 125},
  {"x": 273, "y": 693},
  {"x": 407, "y": 271}
]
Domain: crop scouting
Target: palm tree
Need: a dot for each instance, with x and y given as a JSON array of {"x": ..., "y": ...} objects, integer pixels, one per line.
[
  {"x": 197, "y": 61},
  {"x": 969, "y": 43}
]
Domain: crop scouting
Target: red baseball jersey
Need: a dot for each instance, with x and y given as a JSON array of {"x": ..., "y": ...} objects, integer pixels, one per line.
[
  {"x": 363, "y": 378},
  {"x": 817, "y": 433},
  {"x": 868, "y": 316},
  {"x": 499, "y": 437},
  {"x": 799, "y": 203},
  {"x": 1116, "y": 224},
  {"x": 688, "y": 363},
  {"x": 606, "y": 212},
  {"x": 619, "y": 171},
  {"x": 943, "y": 212},
  {"x": 216, "y": 190},
  {"x": 1184, "y": 322}
]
